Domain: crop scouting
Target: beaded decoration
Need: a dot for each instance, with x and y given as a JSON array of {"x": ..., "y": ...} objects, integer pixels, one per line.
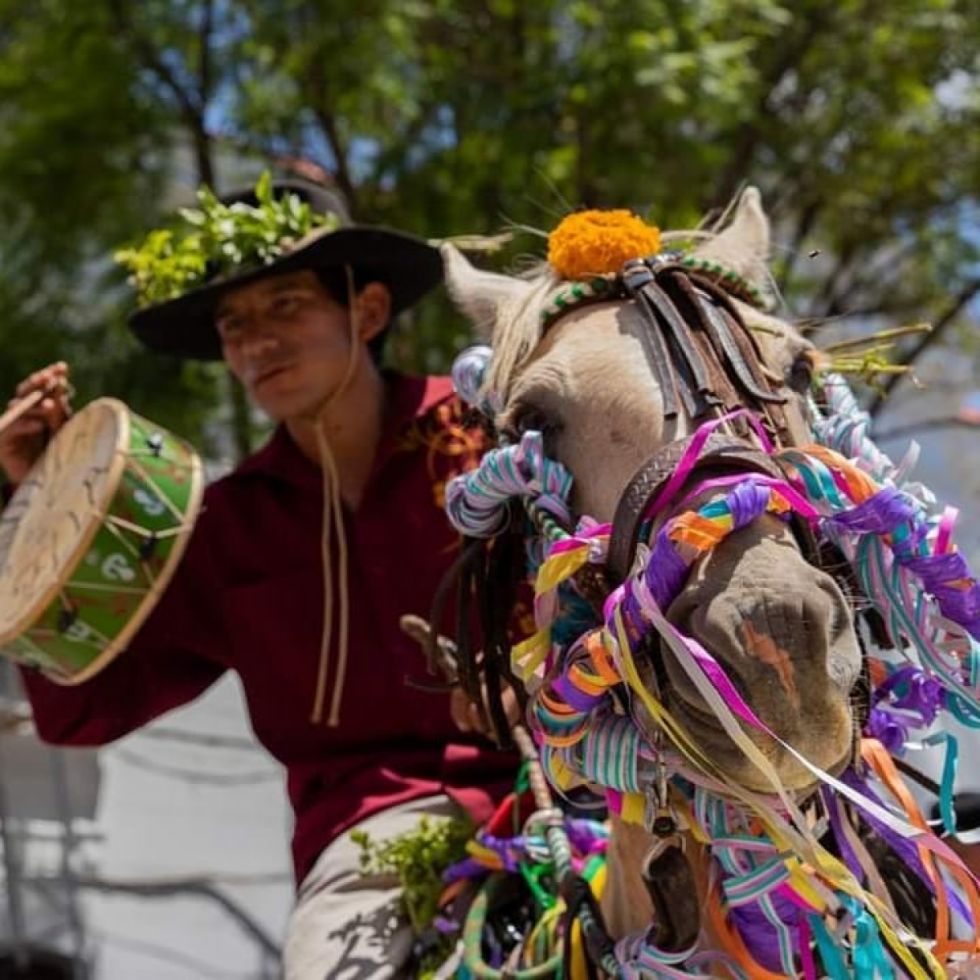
[
  {"x": 727, "y": 278},
  {"x": 576, "y": 294}
]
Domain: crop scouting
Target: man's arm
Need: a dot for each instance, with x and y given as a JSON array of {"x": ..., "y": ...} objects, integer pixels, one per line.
[{"x": 176, "y": 654}]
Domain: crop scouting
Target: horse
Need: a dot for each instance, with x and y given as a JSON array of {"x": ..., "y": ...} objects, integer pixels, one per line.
[{"x": 644, "y": 398}]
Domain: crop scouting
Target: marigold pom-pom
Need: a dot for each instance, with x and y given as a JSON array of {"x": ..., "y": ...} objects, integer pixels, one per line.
[{"x": 596, "y": 243}]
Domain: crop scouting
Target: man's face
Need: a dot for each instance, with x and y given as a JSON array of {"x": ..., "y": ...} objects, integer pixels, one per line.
[{"x": 287, "y": 340}]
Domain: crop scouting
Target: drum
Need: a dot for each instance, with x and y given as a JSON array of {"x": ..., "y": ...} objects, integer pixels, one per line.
[{"x": 91, "y": 538}]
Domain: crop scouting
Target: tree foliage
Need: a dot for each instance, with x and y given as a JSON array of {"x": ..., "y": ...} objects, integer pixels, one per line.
[{"x": 858, "y": 119}]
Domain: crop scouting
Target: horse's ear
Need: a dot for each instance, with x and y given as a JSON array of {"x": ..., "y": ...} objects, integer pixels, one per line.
[
  {"x": 743, "y": 245},
  {"x": 478, "y": 294}
]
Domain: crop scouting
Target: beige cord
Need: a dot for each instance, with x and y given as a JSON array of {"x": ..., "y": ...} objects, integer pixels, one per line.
[{"x": 333, "y": 515}]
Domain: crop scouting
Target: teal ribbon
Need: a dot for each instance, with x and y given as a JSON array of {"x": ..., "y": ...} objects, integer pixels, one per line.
[
  {"x": 871, "y": 962},
  {"x": 830, "y": 955}
]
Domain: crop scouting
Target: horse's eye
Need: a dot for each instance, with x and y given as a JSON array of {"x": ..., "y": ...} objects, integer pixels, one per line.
[
  {"x": 526, "y": 418},
  {"x": 800, "y": 375}
]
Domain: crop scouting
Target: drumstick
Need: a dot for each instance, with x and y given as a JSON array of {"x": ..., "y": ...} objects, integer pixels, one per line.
[{"x": 19, "y": 408}]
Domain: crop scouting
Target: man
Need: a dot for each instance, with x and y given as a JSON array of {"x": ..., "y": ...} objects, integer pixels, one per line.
[{"x": 302, "y": 559}]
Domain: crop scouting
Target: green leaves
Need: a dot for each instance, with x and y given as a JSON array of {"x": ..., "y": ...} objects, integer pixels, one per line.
[
  {"x": 418, "y": 859},
  {"x": 163, "y": 266},
  {"x": 217, "y": 239}
]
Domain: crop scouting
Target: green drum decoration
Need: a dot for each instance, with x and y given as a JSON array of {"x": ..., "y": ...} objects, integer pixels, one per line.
[{"x": 91, "y": 538}]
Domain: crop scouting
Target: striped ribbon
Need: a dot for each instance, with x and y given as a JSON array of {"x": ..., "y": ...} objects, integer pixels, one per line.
[
  {"x": 476, "y": 502},
  {"x": 927, "y": 597}
]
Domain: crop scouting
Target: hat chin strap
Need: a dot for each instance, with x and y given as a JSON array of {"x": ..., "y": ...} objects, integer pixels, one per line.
[{"x": 333, "y": 518}]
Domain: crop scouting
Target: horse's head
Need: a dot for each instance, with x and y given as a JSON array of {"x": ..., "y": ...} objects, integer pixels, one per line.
[{"x": 604, "y": 383}]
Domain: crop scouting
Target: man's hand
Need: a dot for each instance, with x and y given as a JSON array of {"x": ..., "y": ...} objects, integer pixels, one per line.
[
  {"x": 466, "y": 714},
  {"x": 23, "y": 441}
]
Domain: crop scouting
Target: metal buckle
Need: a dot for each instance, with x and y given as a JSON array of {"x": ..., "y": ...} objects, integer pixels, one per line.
[{"x": 659, "y": 817}]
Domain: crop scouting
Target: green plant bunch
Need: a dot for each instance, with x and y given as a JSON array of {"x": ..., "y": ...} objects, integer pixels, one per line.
[
  {"x": 216, "y": 239},
  {"x": 418, "y": 859}
]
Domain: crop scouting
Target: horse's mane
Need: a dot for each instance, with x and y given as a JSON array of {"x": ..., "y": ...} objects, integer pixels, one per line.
[{"x": 518, "y": 328}]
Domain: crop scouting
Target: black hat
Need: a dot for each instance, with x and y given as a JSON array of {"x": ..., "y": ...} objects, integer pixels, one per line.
[{"x": 407, "y": 265}]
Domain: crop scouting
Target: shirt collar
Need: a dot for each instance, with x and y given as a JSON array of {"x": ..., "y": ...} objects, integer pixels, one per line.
[{"x": 408, "y": 399}]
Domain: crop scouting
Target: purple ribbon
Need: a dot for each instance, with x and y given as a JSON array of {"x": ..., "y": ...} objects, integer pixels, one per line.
[
  {"x": 888, "y": 510},
  {"x": 665, "y": 571},
  {"x": 887, "y": 729},
  {"x": 747, "y": 501},
  {"x": 958, "y": 604},
  {"x": 583, "y": 838},
  {"x": 912, "y": 689},
  {"x": 758, "y": 933},
  {"x": 879, "y": 514},
  {"x": 467, "y": 868},
  {"x": 573, "y": 697},
  {"x": 908, "y": 689}
]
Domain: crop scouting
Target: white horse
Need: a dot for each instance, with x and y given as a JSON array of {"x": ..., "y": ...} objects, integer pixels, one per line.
[{"x": 615, "y": 378}]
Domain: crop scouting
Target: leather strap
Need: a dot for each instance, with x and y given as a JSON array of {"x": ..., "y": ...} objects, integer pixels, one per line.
[
  {"x": 722, "y": 453},
  {"x": 669, "y": 881},
  {"x": 636, "y": 275}
]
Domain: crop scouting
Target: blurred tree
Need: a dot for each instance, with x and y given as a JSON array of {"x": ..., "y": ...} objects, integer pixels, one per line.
[
  {"x": 82, "y": 148},
  {"x": 859, "y": 120}
]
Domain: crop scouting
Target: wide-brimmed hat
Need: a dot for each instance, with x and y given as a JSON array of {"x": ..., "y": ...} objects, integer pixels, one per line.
[{"x": 408, "y": 266}]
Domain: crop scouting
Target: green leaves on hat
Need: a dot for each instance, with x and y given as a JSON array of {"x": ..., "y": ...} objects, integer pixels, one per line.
[{"x": 216, "y": 239}]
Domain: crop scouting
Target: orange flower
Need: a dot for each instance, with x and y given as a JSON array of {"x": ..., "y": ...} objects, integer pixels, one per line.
[{"x": 596, "y": 243}]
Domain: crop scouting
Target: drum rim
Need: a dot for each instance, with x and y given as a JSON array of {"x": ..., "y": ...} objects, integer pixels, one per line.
[
  {"x": 123, "y": 416},
  {"x": 69, "y": 564}
]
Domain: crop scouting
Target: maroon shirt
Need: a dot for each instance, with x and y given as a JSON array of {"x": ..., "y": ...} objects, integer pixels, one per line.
[{"x": 248, "y": 596}]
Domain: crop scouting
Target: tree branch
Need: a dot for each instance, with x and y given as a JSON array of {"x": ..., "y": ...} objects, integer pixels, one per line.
[
  {"x": 408, "y": 137},
  {"x": 204, "y": 60},
  {"x": 317, "y": 90},
  {"x": 191, "y": 105},
  {"x": 940, "y": 326},
  {"x": 204, "y": 53},
  {"x": 300, "y": 166},
  {"x": 189, "y": 108},
  {"x": 328, "y": 123}
]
